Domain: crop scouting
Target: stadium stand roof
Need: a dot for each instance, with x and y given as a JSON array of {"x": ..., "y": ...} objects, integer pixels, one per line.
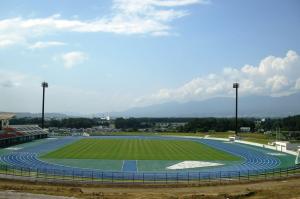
[{"x": 6, "y": 116}]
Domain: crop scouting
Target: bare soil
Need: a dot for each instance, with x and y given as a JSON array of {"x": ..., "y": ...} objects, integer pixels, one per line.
[{"x": 281, "y": 189}]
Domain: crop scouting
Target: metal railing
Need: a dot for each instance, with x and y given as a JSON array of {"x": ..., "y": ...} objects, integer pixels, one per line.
[{"x": 99, "y": 177}]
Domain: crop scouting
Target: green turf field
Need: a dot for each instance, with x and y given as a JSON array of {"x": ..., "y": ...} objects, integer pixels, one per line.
[{"x": 139, "y": 149}]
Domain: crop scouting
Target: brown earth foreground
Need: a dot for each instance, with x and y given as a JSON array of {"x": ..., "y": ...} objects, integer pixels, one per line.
[{"x": 284, "y": 188}]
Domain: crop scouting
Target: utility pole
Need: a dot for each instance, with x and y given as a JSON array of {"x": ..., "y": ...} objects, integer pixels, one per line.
[
  {"x": 236, "y": 86},
  {"x": 44, "y": 85}
]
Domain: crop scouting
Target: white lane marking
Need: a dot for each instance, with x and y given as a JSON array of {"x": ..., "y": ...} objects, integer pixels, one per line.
[{"x": 123, "y": 165}]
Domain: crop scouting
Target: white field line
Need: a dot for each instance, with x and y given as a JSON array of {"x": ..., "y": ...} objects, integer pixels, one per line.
[
  {"x": 123, "y": 165},
  {"x": 192, "y": 164},
  {"x": 277, "y": 154},
  {"x": 136, "y": 166},
  {"x": 14, "y": 148}
]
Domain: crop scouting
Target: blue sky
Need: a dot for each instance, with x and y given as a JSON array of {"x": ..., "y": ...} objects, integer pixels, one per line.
[{"x": 103, "y": 56}]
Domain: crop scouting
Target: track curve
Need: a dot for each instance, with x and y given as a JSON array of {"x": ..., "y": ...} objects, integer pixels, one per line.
[{"x": 255, "y": 159}]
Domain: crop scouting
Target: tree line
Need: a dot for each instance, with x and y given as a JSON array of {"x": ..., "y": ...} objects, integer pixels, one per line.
[
  {"x": 291, "y": 123},
  {"x": 63, "y": 123},
  {"x": 216, "y": 124}
]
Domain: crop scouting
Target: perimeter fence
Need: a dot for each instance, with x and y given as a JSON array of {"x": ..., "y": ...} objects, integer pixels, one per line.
[{"x": 106, "y": 177}]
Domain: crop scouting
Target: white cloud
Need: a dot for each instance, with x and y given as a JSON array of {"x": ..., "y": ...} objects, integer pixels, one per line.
[
  {"x": 71, "y": 59},
  {"x": 297, "y": 84},
  {"x": 46, "y": 44},
  {"x": 274, "y": 76},
  {"x": 10, "y": 39},
  {"x": 277, "y": 82},
  {"x": 150, "y": 17},
  {"x": 44, "y": 66},
  {"x": 10, "y": 79},
  {"x": 156, "y": 10}
]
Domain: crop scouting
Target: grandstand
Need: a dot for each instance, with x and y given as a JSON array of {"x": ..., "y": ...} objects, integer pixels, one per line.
[{"x": 15, "y": 134}]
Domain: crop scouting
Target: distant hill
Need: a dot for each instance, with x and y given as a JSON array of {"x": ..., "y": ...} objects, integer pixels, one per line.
[
  {"x": 251, "y": 106},
  {"x": 47, "y": 115}
]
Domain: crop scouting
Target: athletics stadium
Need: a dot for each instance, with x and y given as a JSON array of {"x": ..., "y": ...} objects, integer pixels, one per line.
[{"x": 140, "y": 158}]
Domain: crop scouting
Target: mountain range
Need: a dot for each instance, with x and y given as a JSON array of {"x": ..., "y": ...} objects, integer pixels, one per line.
[
  {"x": 250, "y": 106},
  {"x": 35, "y": 115}
]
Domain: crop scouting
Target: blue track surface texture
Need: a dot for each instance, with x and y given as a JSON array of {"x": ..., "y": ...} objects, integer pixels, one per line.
[{"x": 129, "y": 166}]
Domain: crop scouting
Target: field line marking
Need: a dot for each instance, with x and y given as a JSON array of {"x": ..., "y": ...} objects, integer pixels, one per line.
[
  {"x": 136, "y": 166},
  {"x": 122, "y": 165}
]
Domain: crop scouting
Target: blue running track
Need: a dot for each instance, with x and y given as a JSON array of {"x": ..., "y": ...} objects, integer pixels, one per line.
[
  {"x": 255, "y": 159},
  {"x": 129, "y": 166}
]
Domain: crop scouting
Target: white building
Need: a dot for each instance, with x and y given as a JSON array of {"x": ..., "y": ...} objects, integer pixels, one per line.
[
  {"x": 245, "y": 129},
  {"x": 80, "y": 134},
  {"x": 284, "y": 146}
]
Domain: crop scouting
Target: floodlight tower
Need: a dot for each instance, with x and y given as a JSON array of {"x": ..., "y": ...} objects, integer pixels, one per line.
[
  {"x": 236, "y": 86},
  {"x": 44, "y": 85}
]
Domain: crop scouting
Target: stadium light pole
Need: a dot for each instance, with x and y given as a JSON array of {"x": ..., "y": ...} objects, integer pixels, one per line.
[
  {"x": 44, "y": 85},
  {"x": 236, "y": 86}
]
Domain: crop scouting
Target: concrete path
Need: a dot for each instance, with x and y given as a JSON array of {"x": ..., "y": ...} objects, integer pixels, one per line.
[{"x": 20, "y": 195}]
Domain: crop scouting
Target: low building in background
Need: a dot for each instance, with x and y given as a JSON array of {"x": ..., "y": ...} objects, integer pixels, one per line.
[
  {"x": 285, "y": 145},
  {"x": 245, "y": 129}
]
